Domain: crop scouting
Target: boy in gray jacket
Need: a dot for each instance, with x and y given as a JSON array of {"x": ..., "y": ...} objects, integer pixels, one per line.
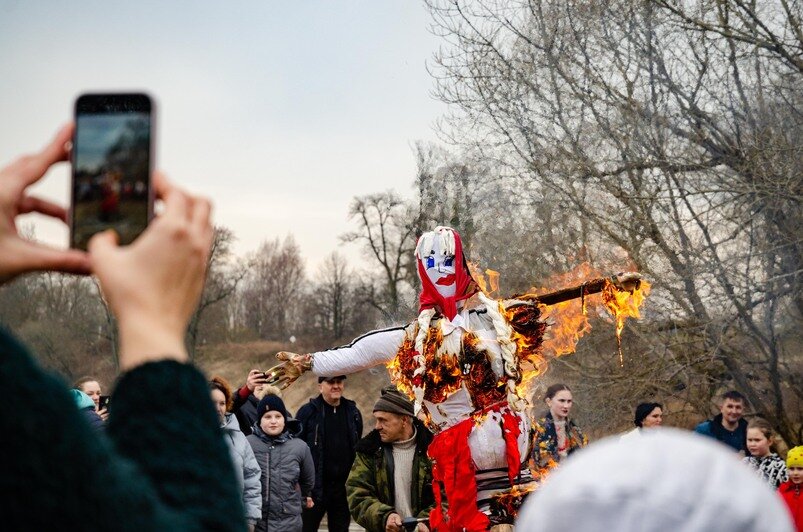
[{"x": 288, "y": 474}]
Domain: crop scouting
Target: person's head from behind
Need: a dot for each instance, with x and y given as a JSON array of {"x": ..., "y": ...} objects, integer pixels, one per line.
[
  {"x": 760, "y": 437},
  {"x": 732, "y": 406},
  {"x": 559, "y": 400},
  {"x": 393, "y": 415},
  {"x": 331, "y": 388},
  {"x": 91, "y": 387},
  {"x": 272, "y": 415},
  {"x": 649, "y": 415},
  {"x": 667, "y": 480},
  {"x": 220, "y": 392},
  {"x": 794, "y": 464}
]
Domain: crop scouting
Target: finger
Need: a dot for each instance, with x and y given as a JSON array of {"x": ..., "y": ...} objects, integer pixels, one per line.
[
  {"x": 253, "y": 371},
  {"x": 177, "y": 205},
  {"x": 36, "y": 257},
  {"x": 34, "y": 204},
  {"x": 161, "y": 184},
  {"x": 201, "y": 224},
  {"x": 201, "y": 210},
  {"x": 101, "y": 244},
  {"x": 31, "y": 168}
]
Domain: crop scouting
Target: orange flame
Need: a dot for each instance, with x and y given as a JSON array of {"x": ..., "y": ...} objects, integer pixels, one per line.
[
  {"x": 490, "y": 286},
  {"x": 622, "y": 305},
  {"x": 509, "y": 502},
  {"x": 540, "y": 474},
  {"x": 568, "y": 321}
]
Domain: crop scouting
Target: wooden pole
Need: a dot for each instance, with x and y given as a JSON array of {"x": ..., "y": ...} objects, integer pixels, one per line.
[{"x": 624, "y": 281}]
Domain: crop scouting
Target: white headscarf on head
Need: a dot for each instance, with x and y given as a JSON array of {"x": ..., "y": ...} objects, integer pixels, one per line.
[{"x": 667, "y": 480}]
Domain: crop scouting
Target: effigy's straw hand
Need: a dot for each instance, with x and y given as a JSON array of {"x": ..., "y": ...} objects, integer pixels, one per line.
[
  {"x": 627, "y": 281},
  {"x": 293, "y": 366},
  {"x": 277, "y": 376}
]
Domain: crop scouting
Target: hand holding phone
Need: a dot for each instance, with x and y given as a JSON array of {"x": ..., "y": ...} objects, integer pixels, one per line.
[
  {"x": 153, "y": 286},
  {"x": 112, "y": 165},
  {"x": 19, "y": 255}
]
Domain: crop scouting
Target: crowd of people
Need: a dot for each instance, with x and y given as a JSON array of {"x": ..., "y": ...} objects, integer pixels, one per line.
[
  {"x": 363, "y": 478},
  {"x": 178, "y": 451},
  {"x": 293, "y": 471}
]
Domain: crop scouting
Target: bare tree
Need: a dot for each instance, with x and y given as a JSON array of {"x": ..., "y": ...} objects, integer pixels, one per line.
[
  {"x": 224, "y": 274},
  {"x": 387, "y": 229},
  {"x": 272, "y": 289},
  {"x": 62, "y": 318},
  {"x": 672, "y": 130},
  {"x": 332, "y": 298}
]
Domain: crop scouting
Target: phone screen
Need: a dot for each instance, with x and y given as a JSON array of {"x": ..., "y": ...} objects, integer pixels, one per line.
[
  {"x": 112, "y": 161},
  {"x": 103, "y": 402}
]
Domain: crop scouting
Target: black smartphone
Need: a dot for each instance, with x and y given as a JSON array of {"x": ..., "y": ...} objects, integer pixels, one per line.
[
  {"x": 112, "y": 165},
  {"x": 103, "y": 402}
]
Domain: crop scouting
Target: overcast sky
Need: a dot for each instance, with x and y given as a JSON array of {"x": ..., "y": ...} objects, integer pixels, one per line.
[{"x": 281, "y": 111}]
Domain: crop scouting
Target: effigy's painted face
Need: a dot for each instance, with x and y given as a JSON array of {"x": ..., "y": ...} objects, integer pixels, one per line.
[{"x": 440, "y": 268}]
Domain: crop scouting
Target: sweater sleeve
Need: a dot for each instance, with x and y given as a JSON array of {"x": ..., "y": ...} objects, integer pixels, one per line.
[
  {"x": 369, "y": 350},
  {"x": 59, "y": 473},
  {"x": 162, "y": 418}
]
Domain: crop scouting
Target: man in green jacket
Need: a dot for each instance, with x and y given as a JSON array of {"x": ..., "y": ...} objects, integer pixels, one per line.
[{"x": 391, "y": 478}]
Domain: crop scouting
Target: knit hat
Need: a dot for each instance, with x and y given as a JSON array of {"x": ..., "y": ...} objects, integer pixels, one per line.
[
  {"x": 321, "y": 379},
  {"x": 271, "y": 402},
  {"x": 794, "y": 458},
  {"x": 395, "y": 402},
  {"x": 643, "y": 410}
]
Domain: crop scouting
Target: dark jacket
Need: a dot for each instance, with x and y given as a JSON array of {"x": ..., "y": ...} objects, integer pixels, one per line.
[
  {"x": 545, "y": 441},
  {"x": 87, "y": 407},
  {"x": 287, "y": 477},
  {"x": 161, "y": 464},
  {"x": 736, "y": 439},
  {"x": 245, "y": 409},
  {"x": 370, "y": 489},
  {"x": 312, "y": 431}
]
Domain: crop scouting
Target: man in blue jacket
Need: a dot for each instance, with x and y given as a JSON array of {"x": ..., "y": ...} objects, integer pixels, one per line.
[
  {"x": 728, "y": 426},
  {"x": 331, "y": 426}
]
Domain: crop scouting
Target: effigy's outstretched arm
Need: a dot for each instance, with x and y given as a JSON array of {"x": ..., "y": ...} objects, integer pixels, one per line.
[
  {"x": 628, "y": 282},
  {"x": 366, "y": 351}
]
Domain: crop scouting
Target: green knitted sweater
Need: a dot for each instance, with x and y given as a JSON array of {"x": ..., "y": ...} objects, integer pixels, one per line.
[{"x": 161, "y": 465}]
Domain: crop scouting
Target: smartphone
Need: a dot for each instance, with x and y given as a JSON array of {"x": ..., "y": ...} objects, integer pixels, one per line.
[
  {"x": 112, "y": 166},
  {"x": 103, "y": 402}
]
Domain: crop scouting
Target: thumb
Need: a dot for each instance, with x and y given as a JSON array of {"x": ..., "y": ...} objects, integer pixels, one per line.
[{"x": 103, "y": 243}]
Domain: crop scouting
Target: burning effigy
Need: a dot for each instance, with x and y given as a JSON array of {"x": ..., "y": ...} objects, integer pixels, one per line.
[{"x": 466, "y": 360}]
